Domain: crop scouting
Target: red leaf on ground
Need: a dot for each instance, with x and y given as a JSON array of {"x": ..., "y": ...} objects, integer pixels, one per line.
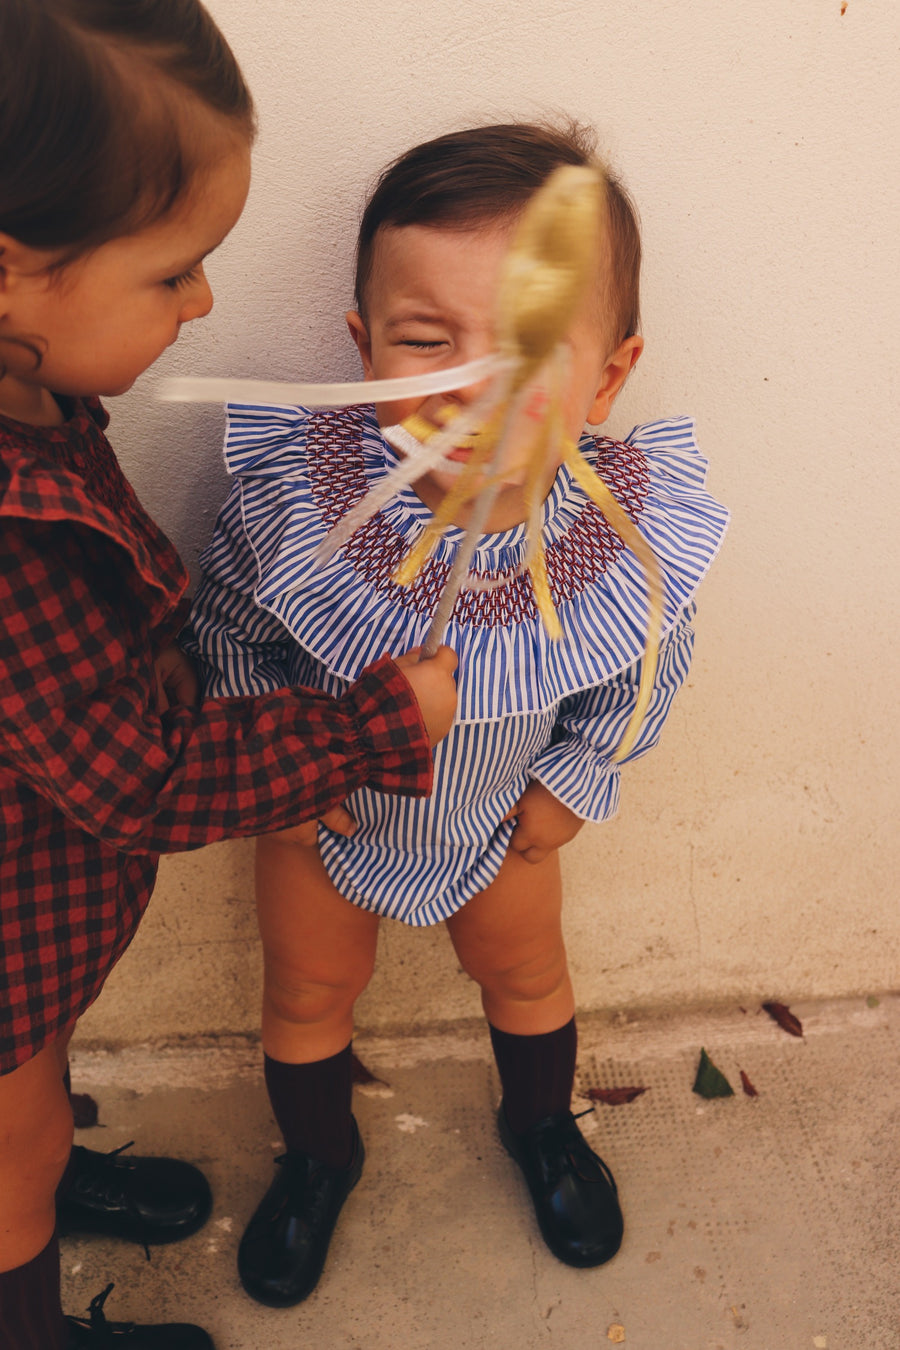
[
  {"x": 619, "y": 1096},
  {"x": 360, "y": 1074},
  {"x": 748, "y": 1087},
  {"x": 785, "y": 1018},
  {"x": 84, "y": 1109}
]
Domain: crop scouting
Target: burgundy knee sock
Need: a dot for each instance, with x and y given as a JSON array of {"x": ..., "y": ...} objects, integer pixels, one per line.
[
  {"x": 537, "y": 1073},
  {"x": 30, "y": 1313},
  {"x": 312, "y": 1106}
]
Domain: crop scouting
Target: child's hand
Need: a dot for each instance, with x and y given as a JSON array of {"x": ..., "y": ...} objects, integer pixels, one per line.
[
  {"x": 176, "y": 679},
  {"x": 338, "y": 819},
  {"x": 434, "y": 687},
  {"x": 543, "y": 823}
]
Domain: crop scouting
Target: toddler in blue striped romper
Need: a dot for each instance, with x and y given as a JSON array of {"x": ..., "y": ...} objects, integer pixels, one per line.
[{"x": 529, "y": 759}]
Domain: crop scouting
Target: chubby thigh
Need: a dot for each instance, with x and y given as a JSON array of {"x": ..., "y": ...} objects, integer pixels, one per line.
[
  {"x": 509, "y": 939},
  {"x": 319, "y": 951}
]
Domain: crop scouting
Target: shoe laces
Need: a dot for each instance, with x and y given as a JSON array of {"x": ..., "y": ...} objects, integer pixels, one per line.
[
  {"x": 100, "y": 1175},
  {"x": 564, "y": 1147},
  {"x": 307, "y": 1184},
  {"x": 96, "y": 1321}
]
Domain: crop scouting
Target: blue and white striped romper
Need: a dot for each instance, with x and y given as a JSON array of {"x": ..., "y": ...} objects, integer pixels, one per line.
[{"x": 268, "y": 615}]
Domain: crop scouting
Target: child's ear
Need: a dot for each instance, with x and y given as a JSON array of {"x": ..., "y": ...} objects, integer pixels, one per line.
[
  {"x": 9, "y": 261},
  {"x": 20, "y": 259},
  {"x": 616, "y": 371},
  {"x": 360, "y": 335}
]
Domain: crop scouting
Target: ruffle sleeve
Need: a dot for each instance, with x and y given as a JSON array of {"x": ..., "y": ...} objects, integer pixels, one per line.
[
  {"x": 69, "y": 475},
  {"x": 299, "y": 472},
  {"x": 578, "y": 765}
]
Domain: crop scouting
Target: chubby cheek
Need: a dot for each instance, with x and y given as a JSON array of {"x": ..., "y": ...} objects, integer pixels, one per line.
[{"x": 390, "y": 414}]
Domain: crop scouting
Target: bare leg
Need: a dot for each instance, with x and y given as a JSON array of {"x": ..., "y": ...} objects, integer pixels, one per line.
[
  {"x": 509, "y": 938},
  {"x": 319, "y": 953},
  {"x": 36, "y": 1130}
]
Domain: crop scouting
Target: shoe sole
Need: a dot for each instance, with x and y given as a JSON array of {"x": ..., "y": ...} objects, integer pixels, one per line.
[{"x": 68, "y": 1226}]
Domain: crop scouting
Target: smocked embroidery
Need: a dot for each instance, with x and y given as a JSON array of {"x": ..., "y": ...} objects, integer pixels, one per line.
[{"x": 336, "y": 468}]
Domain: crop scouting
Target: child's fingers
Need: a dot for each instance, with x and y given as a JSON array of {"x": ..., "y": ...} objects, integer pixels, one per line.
[
  {"x": 434, "y": 687},
  {"x": 535, "y": 854},
  {"x": 176, "y": 679},
  {"x": 531, "y": 853},
  {"x": 339, "y": 821},
  {"x": 521, "y": 839},
  {"x": 305, "y": 834},
  {"x": 447, "y": 658},
  {"x": 408, "y": 659}
]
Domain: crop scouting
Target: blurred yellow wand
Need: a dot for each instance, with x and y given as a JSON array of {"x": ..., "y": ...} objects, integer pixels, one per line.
[{"x": 551, "y": 262}]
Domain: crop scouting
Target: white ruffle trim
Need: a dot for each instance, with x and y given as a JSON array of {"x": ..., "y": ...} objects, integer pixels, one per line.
[{"x": 300, "y": 471}]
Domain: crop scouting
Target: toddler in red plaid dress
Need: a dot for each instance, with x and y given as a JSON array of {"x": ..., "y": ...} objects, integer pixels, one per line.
[{"x": 125, "y": 134}]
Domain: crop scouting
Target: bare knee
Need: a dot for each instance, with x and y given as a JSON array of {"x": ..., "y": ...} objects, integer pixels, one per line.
[
  {"x": 303, "y": 1000},
  {"x": 35, "y": 1116},
  {"x": 533, "y": 980}
]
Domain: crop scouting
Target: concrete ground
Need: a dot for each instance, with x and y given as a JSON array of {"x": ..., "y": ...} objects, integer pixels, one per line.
[{"x": 752, "y": 1223}]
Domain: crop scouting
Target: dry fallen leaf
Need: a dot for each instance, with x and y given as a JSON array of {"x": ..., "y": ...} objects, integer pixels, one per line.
[
  {"x": 748, "y": 1087},
  {"x": 785, "y": 1018},
  {"x": 361, "y": 1074},
  {"x": 616, "y": 1334},
  {"x": 618, "y": 1096},
  {"x": 84, "y": 1110}
]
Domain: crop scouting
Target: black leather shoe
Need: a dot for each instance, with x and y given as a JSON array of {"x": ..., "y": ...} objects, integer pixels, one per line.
[
  {"x": 574, "y": 1194},
  {"x": 283, "y": 1251},
  {"x": 95, "y": 1333},
  {"x": 147, "y": 1200}
]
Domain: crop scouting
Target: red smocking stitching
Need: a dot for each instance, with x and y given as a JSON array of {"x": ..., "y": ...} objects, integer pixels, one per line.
[{"x": 338, "y": 482}]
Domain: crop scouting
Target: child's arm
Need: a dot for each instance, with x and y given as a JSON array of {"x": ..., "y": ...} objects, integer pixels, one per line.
[
  {"x": 576, "y": 779},
  {"x": 81, "y": 725},
  {"x": 176, "y": 679}
]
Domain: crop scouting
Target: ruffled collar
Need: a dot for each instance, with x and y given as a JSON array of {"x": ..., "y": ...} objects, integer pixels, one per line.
[
  {"x": 301, "y": 471},
  {"x": 69, "y": 472}
]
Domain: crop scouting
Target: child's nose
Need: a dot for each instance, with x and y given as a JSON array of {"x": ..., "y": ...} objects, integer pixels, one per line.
[
  {"x": 472, "y": 346},
  {"x": 199, "y": 301},
  {"x": 470, "y": 393}
]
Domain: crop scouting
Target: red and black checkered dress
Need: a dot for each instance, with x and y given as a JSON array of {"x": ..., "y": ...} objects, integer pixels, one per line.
[{"x": 95, "y": 781}]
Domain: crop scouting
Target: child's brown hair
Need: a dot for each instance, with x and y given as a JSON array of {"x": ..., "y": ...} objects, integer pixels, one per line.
[
  {"x": 94, "y": 141},
  {"x": 468, "y": 178}
]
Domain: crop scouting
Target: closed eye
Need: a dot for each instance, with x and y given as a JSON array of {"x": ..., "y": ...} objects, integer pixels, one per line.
[
  {"x": 420, "y": 346},
  {"x": 183, "y": 278}
]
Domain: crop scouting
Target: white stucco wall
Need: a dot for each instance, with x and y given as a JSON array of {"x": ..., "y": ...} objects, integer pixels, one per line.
[{"x": 756, "y": 850}]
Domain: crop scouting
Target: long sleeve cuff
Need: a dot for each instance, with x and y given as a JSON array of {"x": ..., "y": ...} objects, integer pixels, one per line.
[
  {"x": 582, "y": 779},
  {"x": 390, "y": 728}
]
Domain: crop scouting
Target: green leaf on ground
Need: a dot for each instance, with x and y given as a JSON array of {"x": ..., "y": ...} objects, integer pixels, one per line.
[{"x": 710, "y": 1081}]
